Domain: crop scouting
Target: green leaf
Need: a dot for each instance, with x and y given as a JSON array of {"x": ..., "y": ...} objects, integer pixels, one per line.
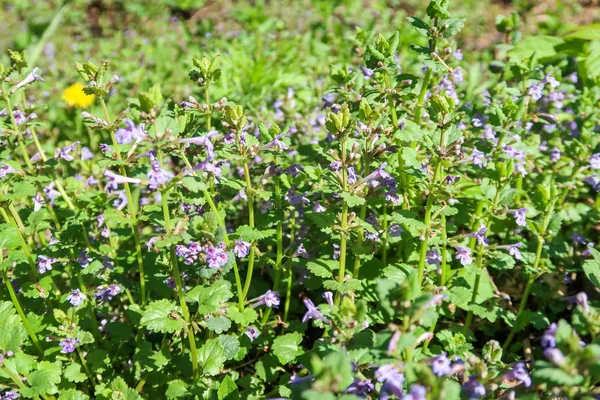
[
  {"x": 194, "y": 184},
  {"x": 352, "y": 200},
  {"x": 211, "y": 357},
  {"x": 454, "y": 25},
  {"x": 72, "y": 394},
  {"x": 250, "y": 234},
  {"x": 12, "y": 332},
  {"x": 231, "y": 344},
  {"x": 587, "y": 32},
  {"x": 287, "y": 347},
  {"x": 162, "y": 316},
  {"x": 323, "y": 268},
  {"x": 592, "y": 268},
  {"x": 218, "y": 324},
  {"x": 547, "y": 373},
  {"x": 228, "y": 390},
  {"x": 539, "y": 47},
  {"x": 73, "y": 373},
  {"x": 176, "y": 389},
  {"x": 210, "y": 298},
  {"x": 122, "y": 391},
  {"x": 242, "y": 318}
]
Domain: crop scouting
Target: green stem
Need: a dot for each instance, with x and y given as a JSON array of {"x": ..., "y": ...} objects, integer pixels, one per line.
[
  {"x": 288, "y": 296},
  {"x": 427, "y": 220},
  {"x": 425, "y": 83},
  {"x": 444, "y": 265},
  {"x": 189, "y": 329},
  {"x": 343, "y": 226},
  {"x": 250, "y": 195},
  {"x": 15, "y": 301},
  {"x": 209, "y": 111},
  {"x": 390, "y": 99},
  {"x": 221, "y": 223},
  {"x": 530, "y": 280},
  {"x": 385, "y": 233},
  {"x": 475, "y": 289},
  {"x": 279, "y": 256},
  {"x": 131, "y": 207}
]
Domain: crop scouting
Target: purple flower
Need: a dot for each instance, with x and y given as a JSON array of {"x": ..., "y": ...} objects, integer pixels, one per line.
[
  {"x": 555, "y": 356},
  {"x": 130, "y": 133},
  {"x": 318, "y": 208},
  {"x": 157, "y": 176},
  {"x": 434, "y": 257},
  {"x": 170, "y": 282},
  {"x": 68, "y": 345},
  {"x": 313, "y": 312},
  {"x": 32, "y": 77},
  {"x": 595, "y": 161},
  {"x": 203, "y": 141},
  {"x": 276, "y": 144},
  {"x": 328, "y": 296},
  {"x": 360, "y": 387},
  {"x": 478, "y": 158},
  {"x": 10, "y": 395},
  {"x": 107, "y": 293},
  {"x": 417, "y": 392},
  {"x": 301, "y": 252},
  {"x": 440, "y": 365},
  {"x": 252, "y": 333},
  {"x": 520, "y": 374},
  {"x": 464, "y": 255},
  {"x": 555, "y": 154},
  {"x": 392, "y": 379},
  {"x": 593, "y": 181},
  {"x": 513, "y": 153},
  {"x": 295, "y": 198},
  {"x": 216, "y": 257},
  {"x": 114, "y": 180},
  {"x": 519, "y": 215},
  {"x": 367, "y": 72},
  {"x": 83, "y": 259},
  {"x": 76, "y": 298},
  {"x": 582, "y": 301},
  {"x": 6, "y": 169},
  {"x": 269, "y": 299},
  {"x": 86, "y": 154},
  {"x": 535, "y": 91},
  {"x": 474, "y": 389},
  {"x": 241, "y": 248},
  {"x": 458, "y": 55},
  {"x": 480, "y": 235},
  {"x": 65, "y": 152},
  {"x": 395, "y": 230},
  {"x": 45, "y": 264}
]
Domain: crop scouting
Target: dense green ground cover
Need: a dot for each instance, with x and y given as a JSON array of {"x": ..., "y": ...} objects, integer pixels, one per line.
[{"x": 306, "y": 200}]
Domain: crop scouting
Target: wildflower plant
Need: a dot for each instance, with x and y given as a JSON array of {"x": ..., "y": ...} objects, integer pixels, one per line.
[{"x": 406, "y": 226}]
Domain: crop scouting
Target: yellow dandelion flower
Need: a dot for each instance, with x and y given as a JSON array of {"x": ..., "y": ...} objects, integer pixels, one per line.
[{"x": 75, "y": 97}]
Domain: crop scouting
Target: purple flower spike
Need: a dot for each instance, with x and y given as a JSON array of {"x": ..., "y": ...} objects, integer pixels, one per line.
[
  {"x": 313, "y": 312},
  {"x": 114, "y": 180},
  {"x": 83, "y": 259},
  {"x": 269, "y": 299},
  {"x": 555, "y": 154},
  {"x": 203, "y": 141}
]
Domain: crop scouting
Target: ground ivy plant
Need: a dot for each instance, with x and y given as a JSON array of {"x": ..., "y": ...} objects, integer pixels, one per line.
[{"x": 418, "y": 224}]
